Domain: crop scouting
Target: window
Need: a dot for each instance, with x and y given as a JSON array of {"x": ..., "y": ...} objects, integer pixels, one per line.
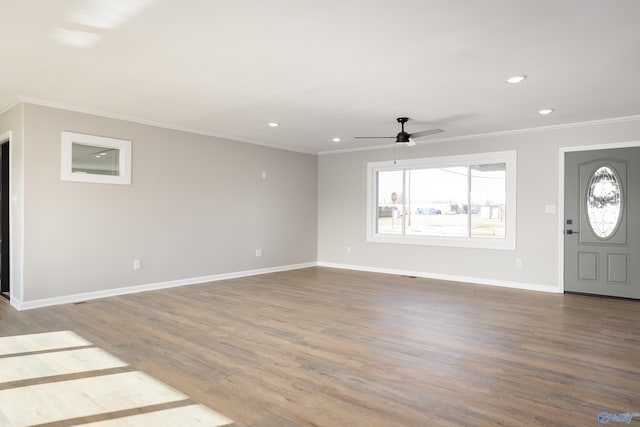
[
  {"x": 88, "y": 158},
  {"x": 465, "y": 201}
]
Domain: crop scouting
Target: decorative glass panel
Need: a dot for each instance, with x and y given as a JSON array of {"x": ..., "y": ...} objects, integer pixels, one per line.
[{"x": 604, "y": 202}]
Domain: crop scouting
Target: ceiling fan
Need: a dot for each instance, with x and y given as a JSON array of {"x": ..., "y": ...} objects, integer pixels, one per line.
[{"x": 404, "y": 137}]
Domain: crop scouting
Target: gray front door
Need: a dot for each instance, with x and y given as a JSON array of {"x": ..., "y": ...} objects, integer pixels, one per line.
[{"x": 602, "y": 222}]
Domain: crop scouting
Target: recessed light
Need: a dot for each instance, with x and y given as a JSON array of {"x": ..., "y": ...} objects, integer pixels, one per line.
[
  {"x": 545, "y": 111},
  {"x": 516, "y": 79},
  {"x": 336, "y": 139},
  {"x": 274, "y": 124}
]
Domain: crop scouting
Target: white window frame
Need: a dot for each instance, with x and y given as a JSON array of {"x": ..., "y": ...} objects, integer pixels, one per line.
[
  {"x": 124, "y": 159},
  {"x": 506, "y": 243}
]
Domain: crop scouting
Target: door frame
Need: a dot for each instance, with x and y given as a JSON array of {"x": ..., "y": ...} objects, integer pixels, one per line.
[
  {"x": 6, "y": 138},
  {"x": 563, "y": 152},
  {"x": 5, "y": 221}
]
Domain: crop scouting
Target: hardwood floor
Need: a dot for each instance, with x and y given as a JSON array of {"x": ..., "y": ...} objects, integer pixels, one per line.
[{"x": 325, "y": 347}]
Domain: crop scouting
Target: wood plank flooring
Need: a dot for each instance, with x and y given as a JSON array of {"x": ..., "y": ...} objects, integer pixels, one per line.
[{"x": 325, "y": 347}]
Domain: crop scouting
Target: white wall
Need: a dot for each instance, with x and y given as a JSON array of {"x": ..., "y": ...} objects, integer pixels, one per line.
[
  {"x": 197, "y": 207},
  {"x": 342, "y": 210}
]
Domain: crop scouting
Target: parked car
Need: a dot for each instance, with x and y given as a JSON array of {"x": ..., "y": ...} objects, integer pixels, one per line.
[
  {"x": 386, "y": 211},
  {"x": 428, "y": 211}
]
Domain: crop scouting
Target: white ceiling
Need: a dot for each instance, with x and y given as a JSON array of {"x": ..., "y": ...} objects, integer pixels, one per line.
[{"x": 327, "y": 68}]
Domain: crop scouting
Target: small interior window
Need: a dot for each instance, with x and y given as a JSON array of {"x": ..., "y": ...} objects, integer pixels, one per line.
[{"x": 97, "y": 159}]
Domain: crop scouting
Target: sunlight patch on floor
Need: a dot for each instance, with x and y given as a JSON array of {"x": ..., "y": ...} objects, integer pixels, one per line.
[
  {"x": 40, "y": 342},
  {"x": 44, "y": 365},
  {"x": 45, "y": 378},
  {"x": 184, "y": 416}
]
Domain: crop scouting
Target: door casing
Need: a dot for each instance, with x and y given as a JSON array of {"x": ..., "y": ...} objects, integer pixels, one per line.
[{"x": 5, "y": 219}]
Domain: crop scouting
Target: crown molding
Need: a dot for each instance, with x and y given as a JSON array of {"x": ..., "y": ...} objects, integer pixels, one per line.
[
  {"x": 138, "y": 120},
  {"x": 8, "y": 106}
]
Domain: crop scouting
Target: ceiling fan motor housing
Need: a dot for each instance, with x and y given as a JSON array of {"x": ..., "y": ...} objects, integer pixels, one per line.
[{"x": 403, "y": 137}]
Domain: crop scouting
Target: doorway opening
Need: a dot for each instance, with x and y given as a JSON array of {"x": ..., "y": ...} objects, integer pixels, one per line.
[{"x": 5, "y": 289}]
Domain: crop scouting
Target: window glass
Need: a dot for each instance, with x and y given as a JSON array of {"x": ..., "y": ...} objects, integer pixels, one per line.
[
  {"x": 390, "y": 202},
  {"x": 95, "y": 160},
  {"x": 488, "y": 200},
  {"x": 437, "y": 198}
]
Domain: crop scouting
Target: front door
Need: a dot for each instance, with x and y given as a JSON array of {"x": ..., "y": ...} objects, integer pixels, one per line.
[{"x": 602, "y": 222}]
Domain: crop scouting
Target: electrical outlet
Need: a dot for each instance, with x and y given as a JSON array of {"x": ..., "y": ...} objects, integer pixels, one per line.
[
  {"x": 264, "y": 175},
  {"x": 518, "y": 262},
  {"x": 258, "y": 252},
  {"x": 348, "y": 249},
  {"x": 136, "y": 264}
]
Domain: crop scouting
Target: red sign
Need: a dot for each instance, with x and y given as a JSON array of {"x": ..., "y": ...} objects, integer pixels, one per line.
[{"x": 394, "y": 197}]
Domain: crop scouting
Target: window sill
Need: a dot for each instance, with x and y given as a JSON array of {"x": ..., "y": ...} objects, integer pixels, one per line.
[{"x": 454, "y": 242}]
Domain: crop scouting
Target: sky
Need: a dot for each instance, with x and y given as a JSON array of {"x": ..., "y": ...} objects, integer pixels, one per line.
[{"x": 444, "y": 186}]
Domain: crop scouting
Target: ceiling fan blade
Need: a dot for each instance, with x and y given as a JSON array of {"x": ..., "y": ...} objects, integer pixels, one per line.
[
  {"x": 425, "y": 133},
  {"x": 371, "y": 137}
]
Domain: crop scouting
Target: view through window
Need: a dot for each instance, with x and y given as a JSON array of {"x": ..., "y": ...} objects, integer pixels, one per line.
[{"x": 450, "y": 201}]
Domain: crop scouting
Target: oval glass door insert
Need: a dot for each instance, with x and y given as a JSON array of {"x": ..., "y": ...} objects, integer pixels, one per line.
[{"x": 604, "y": 202}]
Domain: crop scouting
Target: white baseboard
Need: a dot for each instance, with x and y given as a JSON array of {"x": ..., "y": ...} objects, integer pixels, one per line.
[
  {"x": 448, "y": 277},
  {"x": 15, "y": 303},
  {"x": 46, "y": 302},
  {"x": 67, "y": 299}
]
